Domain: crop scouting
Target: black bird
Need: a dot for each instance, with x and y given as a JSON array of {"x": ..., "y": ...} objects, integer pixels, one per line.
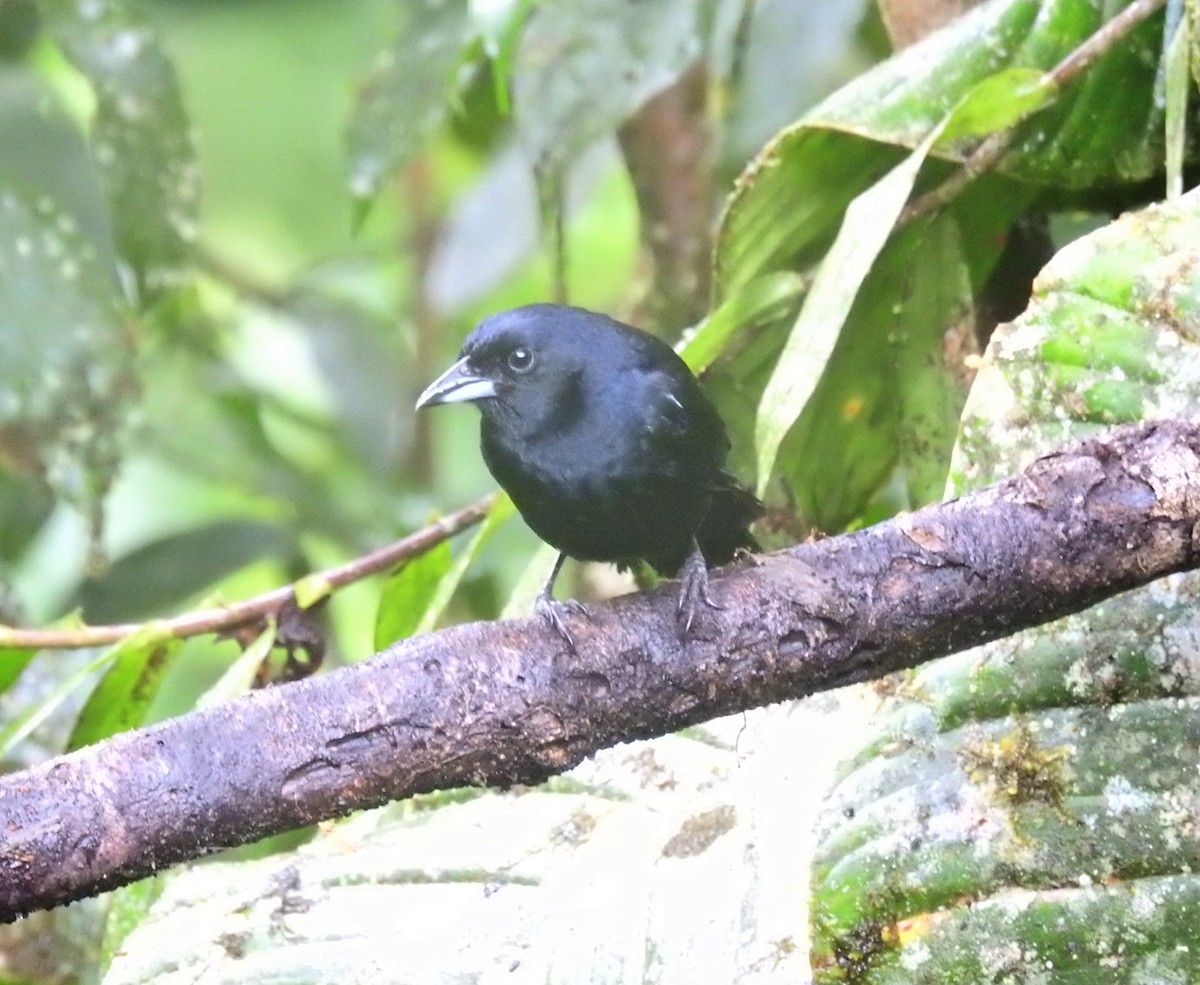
[{"x": 607, "y": 445}]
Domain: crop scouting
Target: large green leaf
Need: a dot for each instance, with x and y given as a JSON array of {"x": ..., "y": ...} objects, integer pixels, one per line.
[
  {"x": 894, "y": 404},
  {"x": 1105, "y": 128},
  {"x": 889, "y": 396},
  {"x": 1041, "y": 775},
  {"x": 864, "y": 231}
]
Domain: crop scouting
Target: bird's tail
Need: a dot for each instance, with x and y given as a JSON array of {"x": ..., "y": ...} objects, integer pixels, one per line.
[{"x": 726, "y": 528}]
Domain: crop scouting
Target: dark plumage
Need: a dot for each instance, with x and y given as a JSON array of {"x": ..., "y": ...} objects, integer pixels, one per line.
[{"x": 606, "y": 443}]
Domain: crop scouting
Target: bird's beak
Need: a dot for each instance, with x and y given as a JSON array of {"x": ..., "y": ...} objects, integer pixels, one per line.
[{"x": 458, "y": 384}]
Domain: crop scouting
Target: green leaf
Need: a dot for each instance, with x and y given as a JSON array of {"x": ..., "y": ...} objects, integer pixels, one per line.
[
  {"x": 66, "y": 366},
  {"x": 1018, "y": 798},
  {"x": 784, "y": 214},
  {"x": 13, "y": 660},
  {"x": 24, "y": 725},
  {"x": 888, "y": 400},
  {"x": 761, "y": 301},
  {"x": 127, "y": 689},
  {"x": 311, "y": 590},
  {"x": 865, "y": 229},
  {"x": 408, "y": 91},
  {"x": 1177, "y": 80},
  {"x": 1109, "y": 336},
  {"x": 501, "y": 511},
  {"x": 997, "y": 103},
  {"x": 1105, "y": 128},
  {"x": 498, "y": 26},
  {"x": 408, "y": 593}
]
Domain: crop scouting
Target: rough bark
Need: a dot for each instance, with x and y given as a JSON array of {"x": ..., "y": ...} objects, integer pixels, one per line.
[{"x": 504, "y": 703}]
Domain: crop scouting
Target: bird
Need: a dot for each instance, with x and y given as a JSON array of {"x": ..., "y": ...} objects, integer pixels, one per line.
[{"x": 607, "y": 445}]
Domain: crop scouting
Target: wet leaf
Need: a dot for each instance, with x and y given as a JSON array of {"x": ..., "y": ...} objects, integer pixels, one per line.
[
  {"x": 66, "y": 363},
  {"x": 583, "y": 68},
  {"x": 408, "y": 91}
]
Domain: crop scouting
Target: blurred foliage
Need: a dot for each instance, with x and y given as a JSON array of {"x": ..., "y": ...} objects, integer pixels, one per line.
[{"x": 237, "y": 239}]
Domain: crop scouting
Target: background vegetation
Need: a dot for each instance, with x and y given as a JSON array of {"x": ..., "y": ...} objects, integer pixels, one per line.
[{"x": 237, "y": 239}]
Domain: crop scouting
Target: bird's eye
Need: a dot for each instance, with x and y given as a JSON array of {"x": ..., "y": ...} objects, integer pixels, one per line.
[{"x": 520, "y": 360}]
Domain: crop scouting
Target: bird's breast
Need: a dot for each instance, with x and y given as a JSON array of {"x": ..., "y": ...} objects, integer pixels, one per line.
[{"x": 605, "y": 499}]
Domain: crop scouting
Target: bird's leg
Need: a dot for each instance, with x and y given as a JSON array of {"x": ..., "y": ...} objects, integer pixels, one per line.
[
  {"x": 551, "y": 610},
  {"x": 693, "y": 591}
]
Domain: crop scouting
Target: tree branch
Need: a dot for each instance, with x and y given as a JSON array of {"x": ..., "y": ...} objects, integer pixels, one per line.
[
  {"x": 503, "y": 703},
  {"x": 237, "y": 614}
]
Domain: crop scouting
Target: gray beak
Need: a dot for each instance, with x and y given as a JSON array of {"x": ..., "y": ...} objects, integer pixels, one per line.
[{"x": 458, "y": 384}]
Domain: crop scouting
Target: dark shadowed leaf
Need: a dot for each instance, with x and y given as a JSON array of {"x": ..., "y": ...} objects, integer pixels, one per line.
[
  {"x": 166, "y": 573},
  {"x": 239, "y": 675}
]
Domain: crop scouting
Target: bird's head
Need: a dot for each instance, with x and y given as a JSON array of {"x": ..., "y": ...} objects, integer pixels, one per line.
[{"x": 523, "y": 367}]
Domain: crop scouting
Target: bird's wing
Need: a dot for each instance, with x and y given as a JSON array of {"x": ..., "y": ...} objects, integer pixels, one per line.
[{"x": 678, "y": 417}]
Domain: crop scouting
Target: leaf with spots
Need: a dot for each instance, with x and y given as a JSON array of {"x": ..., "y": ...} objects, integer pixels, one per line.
[
  {"x": 1024, "y": 805},
  {"x": 408, "y": 92},
  {"x": 66, "y": 372},
  {"x": 138, "y": 135}
]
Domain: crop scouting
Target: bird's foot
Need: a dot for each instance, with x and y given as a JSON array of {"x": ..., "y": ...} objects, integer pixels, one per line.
[
  {"x": 553, "y": 612},
  {"x": 693, "y": 592}
]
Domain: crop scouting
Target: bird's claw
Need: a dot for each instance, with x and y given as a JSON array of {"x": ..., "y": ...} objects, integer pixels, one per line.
[
  {"x": 693, "y": 592},
  {"x": 552, "y": 611}
]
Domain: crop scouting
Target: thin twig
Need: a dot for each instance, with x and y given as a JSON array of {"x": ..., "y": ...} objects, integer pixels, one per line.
[{"x": 239, "y": 613}]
